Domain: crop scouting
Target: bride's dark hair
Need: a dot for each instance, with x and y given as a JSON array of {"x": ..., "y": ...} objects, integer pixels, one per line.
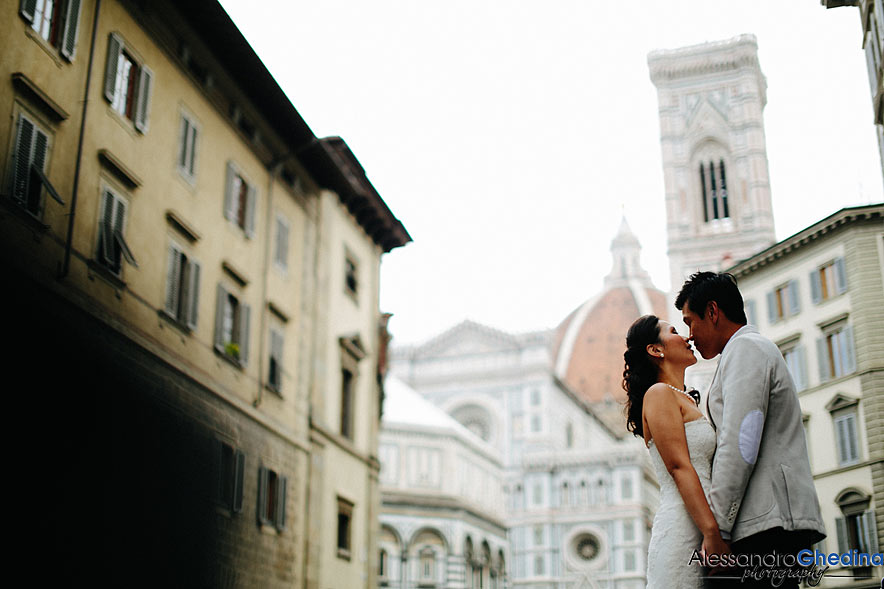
[{"x": 639, "y": 372}]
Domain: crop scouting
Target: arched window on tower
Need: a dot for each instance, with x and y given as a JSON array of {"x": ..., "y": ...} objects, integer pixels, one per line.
[{"x": 713, "y": 188}]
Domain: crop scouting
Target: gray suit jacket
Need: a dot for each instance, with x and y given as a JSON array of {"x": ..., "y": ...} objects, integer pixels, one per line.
[{"x": 761, "y": 476}]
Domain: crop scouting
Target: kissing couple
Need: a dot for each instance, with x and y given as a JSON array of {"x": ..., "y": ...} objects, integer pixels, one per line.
[{"x": 736, "y": 481}]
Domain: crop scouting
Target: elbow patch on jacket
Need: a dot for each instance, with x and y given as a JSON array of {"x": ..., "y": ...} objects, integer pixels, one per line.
[{"x": 750, "y": 435}]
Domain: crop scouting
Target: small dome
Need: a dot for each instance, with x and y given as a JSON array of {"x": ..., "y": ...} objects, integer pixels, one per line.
[{"x": 589, "y": 344}]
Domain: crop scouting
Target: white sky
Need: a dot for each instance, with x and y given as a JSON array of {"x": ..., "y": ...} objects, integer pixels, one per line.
[{"x": 508, "y": 136}]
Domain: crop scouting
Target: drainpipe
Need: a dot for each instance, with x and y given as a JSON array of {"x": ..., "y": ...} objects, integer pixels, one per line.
[{"x": 65, "y": 267}]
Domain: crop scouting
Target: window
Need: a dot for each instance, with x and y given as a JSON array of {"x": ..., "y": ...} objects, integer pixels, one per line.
[
  {"x": 828, "y": 281},
  {"x": 569, "y": 436},
  {"x": 536, "y": 423},
  {"x": 112, "y": 247},
  {"x": 796, "y": 362},
  {"x": 856, "y": 529},
  {"x": 345, "y": 519},
  {"x": 239, "y": 201},
  {"x": 535, "y": 397},
  {"x": 28, "y": 166},
  {"x": 629, "y": 531},
  {"x": 347, "y": 403},
  {"x": 566, "y": 494},
  {"x": 187, "y": 148},
  {"x": 783, "y": 302},
  {"x": 629, "y": 560},
  {"x": 835, "y": 353},
  {"x": 713, "y": 184},
  {"x": 56, "y": 21},
  {"x": 274, "y": 375},
  {"x": 231, "y": 326},
  {"x": 271, "y": 498},
  {"x": 127, "y": 83},
  {"x": 538, "y": 565},
  {"x": 846, "y": 438},
  {"x": 538, "y": 535},
  {"x": 281, "y": 251},
  {"x": 751, "y": 312},
  {"x": 182, "y": 287},
  {"x": 231, "y": 469},
  {"x": 383, "y": 564},
  {"x": 537, "y": 496},
  {"x": 626, "y": 487},
  {"x": 427, "y": 564},
  {"x": 351, "y": 276}
]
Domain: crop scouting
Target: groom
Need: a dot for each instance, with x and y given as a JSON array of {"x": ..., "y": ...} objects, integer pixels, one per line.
[{"x": 761, "y": 492}]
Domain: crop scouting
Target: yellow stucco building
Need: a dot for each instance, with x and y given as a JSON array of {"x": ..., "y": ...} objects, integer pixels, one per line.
[{"x": 195, "y": 282}]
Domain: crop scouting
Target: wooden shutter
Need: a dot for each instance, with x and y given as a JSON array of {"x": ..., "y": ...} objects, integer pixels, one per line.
[
  {"x": 114, "y": 48},
  {"x": 243, "y": 339},
  {"x": 801, "y": 377},
  {"x": 220, "y": 305},
  {"x": 239, "y": 473},
  {"x": 282, "y": 483},
  {"x": 173, "y": 288},
  {"x": 38, "y": 162},
  {"x": 282, "y": 242},
  {"x": 848, "y": 350},
  {"x": 840, "y": 276},
  {"x": 794, "y": 299},
  {"x": 841, "y": 530},
  {"x": 816, "y": 287},
  {"x": 250, "y": 211},
  {"x": 872, "y": 528},
  {"x": 262, "y": 493},
  {"x": 142, "y": 107},
  {"x": 843, "y": 443},
  {"x": 193, "y": 294},
  {"x": 228, "y": 192},
  {"x": 27, "y": 9},
  {"x": 772, "y": 315},
  {"x": 106, "y": 228},
  {"x": 822, "y": 356},
  {"x": 182, "y": 144},
  {"x": 22, "y": 158},
  {"x": 71, "y": 26}
]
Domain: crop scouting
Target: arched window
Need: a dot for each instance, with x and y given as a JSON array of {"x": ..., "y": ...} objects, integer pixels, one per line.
[
  {"x": 713, "y": 190},
  {"x": 856, "y": 529},
  {"x": 427, "y": 564}
]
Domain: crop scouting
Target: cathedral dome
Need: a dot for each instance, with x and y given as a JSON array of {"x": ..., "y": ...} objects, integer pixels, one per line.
[{"x": 588, "y": 345}]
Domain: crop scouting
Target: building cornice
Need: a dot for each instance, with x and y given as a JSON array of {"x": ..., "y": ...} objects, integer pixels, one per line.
[{"x": 807, "y": 236}]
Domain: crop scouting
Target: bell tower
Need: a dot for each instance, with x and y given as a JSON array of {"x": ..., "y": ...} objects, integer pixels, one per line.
[{"x": 718, "y": 205}]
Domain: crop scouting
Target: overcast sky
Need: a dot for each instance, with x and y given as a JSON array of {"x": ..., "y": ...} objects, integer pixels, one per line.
[{"x": 509, "y": 136}]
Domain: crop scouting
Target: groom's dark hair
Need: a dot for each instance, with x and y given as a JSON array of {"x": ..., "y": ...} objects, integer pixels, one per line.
[{"x": 720, "y": 287}]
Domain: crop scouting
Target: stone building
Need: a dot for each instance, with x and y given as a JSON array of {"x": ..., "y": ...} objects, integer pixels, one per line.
[
  {"x": 579, "y": 490},
  {"x": 194, "y": 276},
  {"x": 817, "y": 295},
  {"x": 871, "y": 14},
  {"x": 442, "y": 508}
]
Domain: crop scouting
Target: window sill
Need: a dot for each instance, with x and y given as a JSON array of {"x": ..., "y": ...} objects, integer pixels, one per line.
[
  {"x": 344, "y": 554},
  {"x": 174, "y": 322},
  {"x": 233, "y": 361},
  {"x": 51, "y": 51},
  {"x": 275, "y": 390},
  {"x": 269, "y": 529},
  {"x": 33, "y": 221},
  {"x": 96, "y": 268}
]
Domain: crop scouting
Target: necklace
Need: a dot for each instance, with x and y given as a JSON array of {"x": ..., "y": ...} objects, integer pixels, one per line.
[{"x": 678, "y": 390}]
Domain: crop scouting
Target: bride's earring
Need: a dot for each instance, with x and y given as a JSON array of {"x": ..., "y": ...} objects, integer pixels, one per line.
[{"x": 661, "y": 355}]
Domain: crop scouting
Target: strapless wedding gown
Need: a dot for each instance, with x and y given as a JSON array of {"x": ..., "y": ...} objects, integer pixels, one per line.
[{"x": 674, "y": 536}]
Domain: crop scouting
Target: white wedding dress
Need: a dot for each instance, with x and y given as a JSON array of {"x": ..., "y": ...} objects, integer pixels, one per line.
[{"x": 674, "y": 536}]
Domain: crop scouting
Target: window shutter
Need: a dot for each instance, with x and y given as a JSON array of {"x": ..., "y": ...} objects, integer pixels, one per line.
[
  {"x": 822, "y": 357},
  {"x": 220, "y": 304},
  {"x": 114, "y": 47},
  {"x": 182, "y": 144},
  {"x": 840, "y": 276},
  {"x": 22, "y": 158},
  {"x": 794, "y": 300},
  {"x": 801, "y": 377},
  {"x": 238, "y": 482},
  {"x": 848, "y": 350},
  {"x": 142, "y": 109},
  {"x": 71, "y": 26},
  {"x": 280, "y": 506},
  {"x": 771, "y": 307},
  {"x": 193, "y": 295},
  {"x": 816, "y": 287},
  {"x": 841, "y": 528},
  {"x": 282, "y": 243},
  {"x": 173, "y": 288},
  {"x": 243, "y": 339},
  {"x": 190, "y": 164},
  {"x": 750, "y": 312},
  {"x": 872, "y": 530},
  {"x": 228, "y": 192},
  {"x": 107, "y": 228},
  {"x": 841, "y": 439},
  {"x": 27, "y": 9},
  {"x": 250, "y": 211},
  {"x": 262, "y": 493}
]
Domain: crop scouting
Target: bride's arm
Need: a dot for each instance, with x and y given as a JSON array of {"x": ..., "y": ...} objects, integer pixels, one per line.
[{"x": 666, "y": 427}]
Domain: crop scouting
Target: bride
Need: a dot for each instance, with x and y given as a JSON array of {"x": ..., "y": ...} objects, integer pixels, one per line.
[{"x": 681, "y": 443}]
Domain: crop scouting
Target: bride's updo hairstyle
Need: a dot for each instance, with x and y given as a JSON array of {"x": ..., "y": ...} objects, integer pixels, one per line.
[{"x": 640, "y": 372}]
